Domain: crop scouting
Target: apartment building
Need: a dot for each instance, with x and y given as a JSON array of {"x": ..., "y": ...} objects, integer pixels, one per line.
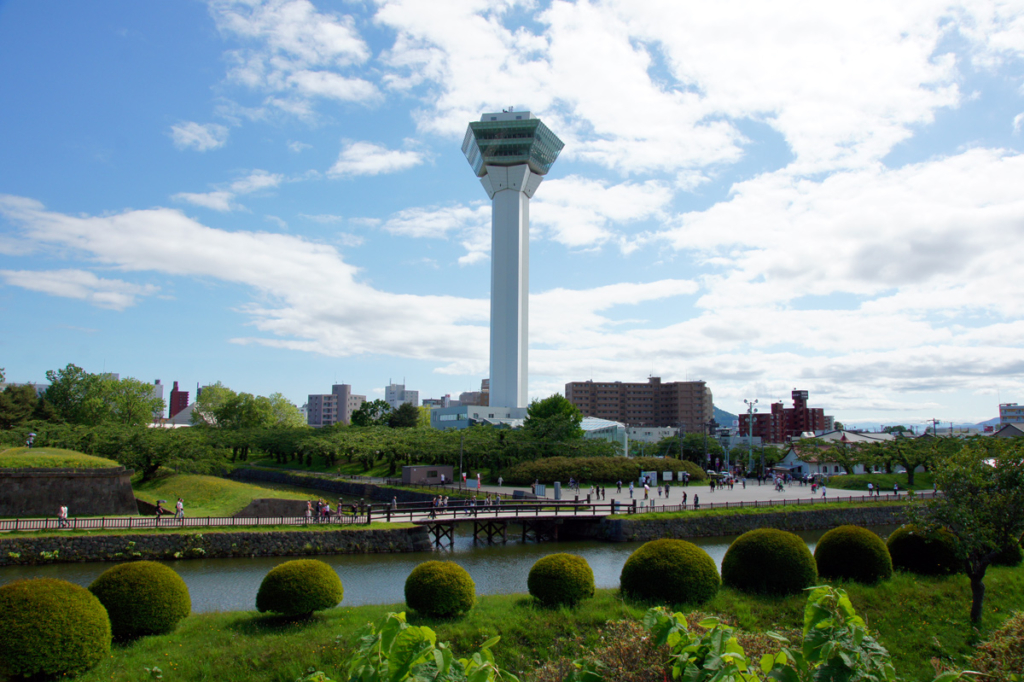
[
  {"x": 396, "y": 394},
  {"x": 686, "y": 404},
  {"x": 1011, "y": 413},
  {"x": 335, "y": 407},
  {"x": 783, "y": 423}
]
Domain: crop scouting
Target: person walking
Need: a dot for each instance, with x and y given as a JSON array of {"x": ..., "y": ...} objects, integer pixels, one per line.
[
  {"x": 896, "y": 489},
  {"x": 824, "y": 490},
  {"x": 871, "y": 489},
  {"x": 696, "y": 501},
  {"x": 631, "y": 490},
  {"x": 618, "y": 486},
  {"x": 62, "y": 517},
  {"x": 179, "y": 507},
  {"x": 394, "y": 503},
  {"x": 501, "y": 481}
]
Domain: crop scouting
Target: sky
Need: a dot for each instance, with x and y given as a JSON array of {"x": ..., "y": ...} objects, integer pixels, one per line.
[{"x": 763, "y": 196}]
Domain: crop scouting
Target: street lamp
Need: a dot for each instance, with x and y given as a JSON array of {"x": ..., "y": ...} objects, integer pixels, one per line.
[{"x": 750, "y": 433}]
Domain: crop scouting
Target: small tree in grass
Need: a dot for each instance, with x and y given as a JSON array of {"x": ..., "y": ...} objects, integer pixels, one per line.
[{"x": 982, "y": 505}]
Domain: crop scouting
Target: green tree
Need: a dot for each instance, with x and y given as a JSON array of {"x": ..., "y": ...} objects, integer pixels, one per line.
[
  {"x": 210, "y": 399},
  {"x": 982, "y": 505},
  {"x": 553, "y": 419},
  {"x": 846, "y": 455},
  {"x": 16, "y": 405},
  {"x": 244, "y": 411},
  {"x": 75, "y": 395},
  {"x": 131, "y": 402},
  {"x": 372, "y": 413},
  {"x": 424, "y": 417},
  {"x": 406, "y": 416},
  {"x": 286, "y": 413}
]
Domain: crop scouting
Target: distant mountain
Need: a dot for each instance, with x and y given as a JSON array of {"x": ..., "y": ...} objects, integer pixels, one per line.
[{"x": 724, "y": 418}]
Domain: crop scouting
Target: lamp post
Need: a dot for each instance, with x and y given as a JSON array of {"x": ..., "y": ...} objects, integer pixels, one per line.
[
  {"x": 750, "y": 433},
  {"x": 710, "y": 426}
]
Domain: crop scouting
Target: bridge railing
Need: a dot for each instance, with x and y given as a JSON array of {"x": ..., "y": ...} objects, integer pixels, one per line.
[{"x": 170, "y": 523}]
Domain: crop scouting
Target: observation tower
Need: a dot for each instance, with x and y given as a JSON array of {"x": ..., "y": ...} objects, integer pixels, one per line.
[{"x": 510, "y": 152}]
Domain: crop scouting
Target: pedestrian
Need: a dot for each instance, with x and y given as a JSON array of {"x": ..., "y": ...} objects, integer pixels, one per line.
[
  {"x": 824, "y": 490},
  {"x": 327, "y": 511},
  {"x": 442, "y": 480},
  {"x": 744, "y": 483},
  {"x": 871, "y": 489},
  {"x": 659, "y": 491},
  {"x": 618, "y": 486},
  {"x": 478, "y": 480},
  {"x": 684, "y": 498},
  {"x": 647, "y": 491},
  {"x": 895, "y": 488},
  {"x": 394, "y": 503},
  {"x": 631, "y": 490},
  {"x": 62, "y": 517},
  {"x": 501, "y": 481},
  {"x": 160, "y": 511},
  {"x": 309, "y": 510},
  {"x": 696, "y": 501},
  {"x": 666, "y": 491},
  {"x": 179, "y": 509}
]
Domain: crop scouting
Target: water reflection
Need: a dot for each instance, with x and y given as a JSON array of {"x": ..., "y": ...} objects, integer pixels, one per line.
[{"x": 231, "y": 584}]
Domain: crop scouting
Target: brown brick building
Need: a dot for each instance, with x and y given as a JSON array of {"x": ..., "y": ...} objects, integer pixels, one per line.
[
  {"x": 783, "y": 423},
  {"x": 679, "y": 403}
]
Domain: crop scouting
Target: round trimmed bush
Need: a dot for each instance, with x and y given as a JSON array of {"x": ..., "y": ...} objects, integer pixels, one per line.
[
  {"x": 440, "y": 589},
  {"x": 142, "y": 598},
  {"x": 853, "y": 553},
  {"x": 769, "y": 561},
  {"x": 299, "y": 587},
  {"x": 672, "y": 571},
  {"x": 51, "y": 627},
  {"x": 561, "y": 579},
  {"x": 918, "y": 551}
]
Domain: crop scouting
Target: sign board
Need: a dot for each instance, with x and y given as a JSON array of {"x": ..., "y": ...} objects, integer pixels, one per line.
[
  {"x": 666, "y": 475},
  {"x": 541, "y": 490},
  {"x": 644, "y": 475},
  {"x": 472, "y": 484}
]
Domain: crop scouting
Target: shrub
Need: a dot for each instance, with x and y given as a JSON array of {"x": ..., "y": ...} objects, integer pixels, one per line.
[
  {"x": 1010, "y": 556},
  {"x": 299, "y": 587},
  {"x": 914, "y": 549},
  {"x": 561, "y": 579},
  {"x": 142, "y": 598},
  {"x": 51, "y": 627},
  {"x": 1003, "y": 653},
  {"x": 440, "y": 589},
  {"x": 672, "y": 571},
  {"x": 853, "y": 553},
  {"x": 769, "y": 561}
]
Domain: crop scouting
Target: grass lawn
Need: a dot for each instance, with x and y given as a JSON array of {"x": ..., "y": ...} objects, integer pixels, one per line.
[
  {"x": 51, "y": 458},
  {"x": 922, "y": 481},
  {"x": 214, "y": 496},
  {"x": 916, "y": 618}
]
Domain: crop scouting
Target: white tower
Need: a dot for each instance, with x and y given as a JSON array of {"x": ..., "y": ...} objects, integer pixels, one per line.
[{"x": 510, "y": 153}]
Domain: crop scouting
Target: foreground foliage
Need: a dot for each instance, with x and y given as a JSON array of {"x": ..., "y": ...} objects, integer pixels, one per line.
[
  {"x": 769, "y": 561},
  {"x": 670, "y": 572},
  {"x": 299, "y": 588},
  {"x": 142, "y": 598}
]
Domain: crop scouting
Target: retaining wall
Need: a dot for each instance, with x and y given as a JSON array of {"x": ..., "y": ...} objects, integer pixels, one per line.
[
  {"x": 347, "y": 488},
  {"x": 85, "y": 492},
  {"x": 628, "y": 530},
  {"x": 235, "y": 544}
]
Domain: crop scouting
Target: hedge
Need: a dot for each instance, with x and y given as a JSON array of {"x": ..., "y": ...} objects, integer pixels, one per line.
[
  {"x": 51, "y": 627},
  {"x": 853, "y": 553},
  {"x": 300, "y": 587},
  {"x": 769, "y": 561},
  {"x": 440, "y": 589},
  {"x": 605, "y": 470},
  {"x": 142, "y": 598},
  {"x": 670, "y": 571},
  {"x": 561, "y": 579}
]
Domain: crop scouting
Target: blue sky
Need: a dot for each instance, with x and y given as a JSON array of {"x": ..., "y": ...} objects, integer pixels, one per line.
[{"x": 763, "y": 196}]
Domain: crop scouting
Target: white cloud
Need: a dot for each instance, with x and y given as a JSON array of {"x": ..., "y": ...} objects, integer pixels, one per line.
[
  {"x": 223, "y": 199},
  {"x": 280, "y": 222},
  {"x": 200, "y": 137},
  {"x": 324, "y": 218},
  {"x": 366, "y": 158},
  {"x": 294, "y": 50},
  {"x": 1018, "y": 123},
  {"x": 470, "y": 225},
  {"x": 350, "y": 240},
  {"x": 298, "y": 147},
  {"x": 217, "y": 201},
  {"x": 80, "y": 284}
]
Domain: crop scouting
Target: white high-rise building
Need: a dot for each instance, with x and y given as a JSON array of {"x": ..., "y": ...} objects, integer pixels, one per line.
[
  {"x": 510, "y": 153},
  {"x": 395, "y": 395},
  {"x": 337, "y": 406}
]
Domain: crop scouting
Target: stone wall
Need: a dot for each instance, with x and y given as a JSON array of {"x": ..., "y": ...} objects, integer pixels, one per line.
[
  {"x": 71, "y": 548},
  {"x": 85, "y": 492},
  {"x": 270, "y": 507},
  {"x": 346, "y": 488},
  {"x": 628, "y": 530}
]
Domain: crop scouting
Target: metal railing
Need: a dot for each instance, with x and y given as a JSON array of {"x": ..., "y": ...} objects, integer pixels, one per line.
[{"x": 425, "y": 512}]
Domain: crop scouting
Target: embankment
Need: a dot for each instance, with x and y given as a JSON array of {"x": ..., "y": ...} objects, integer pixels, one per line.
[
  {"x": 27, "y": 550},
  {"x": 346, "y": 488}
]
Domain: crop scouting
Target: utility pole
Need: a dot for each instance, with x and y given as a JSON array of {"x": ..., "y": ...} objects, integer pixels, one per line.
[
  {"x": 750, "y": 436},
  {"x": 462, "y": 441},
  {"x": 935, "y": 427}
]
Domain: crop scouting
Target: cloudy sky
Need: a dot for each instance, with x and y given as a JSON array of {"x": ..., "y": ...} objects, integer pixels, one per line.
[{"x": 766, "y": 196}]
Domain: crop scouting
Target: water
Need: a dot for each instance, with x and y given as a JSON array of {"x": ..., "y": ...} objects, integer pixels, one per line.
[{"x": 231, "y": 584}]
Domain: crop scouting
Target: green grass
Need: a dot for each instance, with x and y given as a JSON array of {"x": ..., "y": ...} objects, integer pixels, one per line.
[
  {"x": 915, "y": 618},
  {"x": 739, "y": 511},
  {"x": 213, "y": 496},
  {"x": 922, "y": 481},
  {"x": 51, "y": 458}
]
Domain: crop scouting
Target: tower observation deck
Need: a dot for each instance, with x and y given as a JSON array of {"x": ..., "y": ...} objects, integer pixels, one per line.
[{"x": 510, "y": 152}]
